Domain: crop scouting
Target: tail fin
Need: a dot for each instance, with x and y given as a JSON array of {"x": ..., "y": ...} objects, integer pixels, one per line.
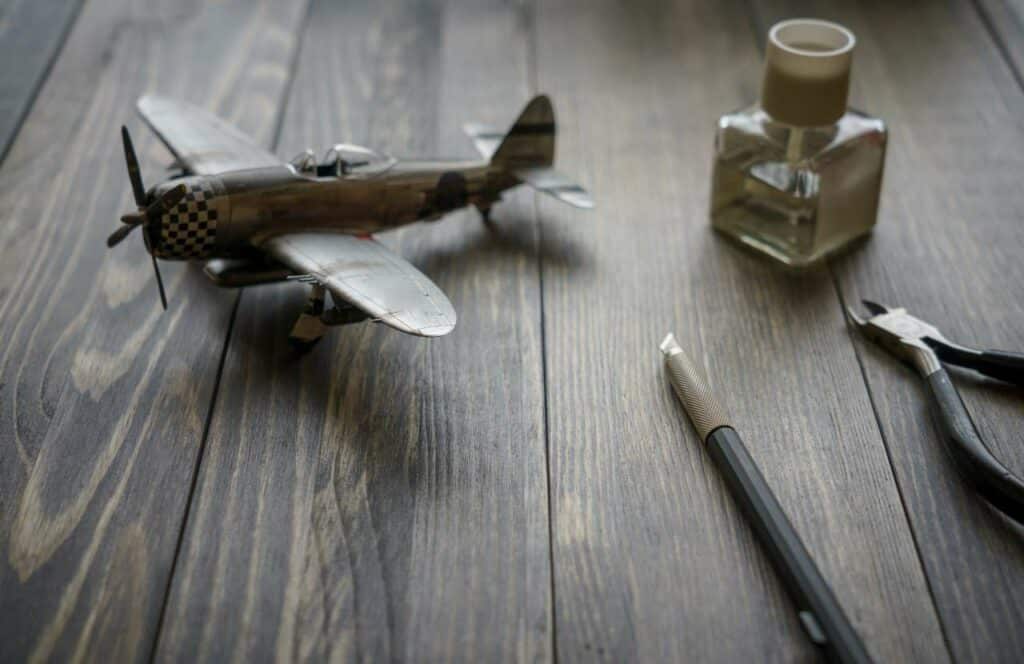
[
  {"x": 528, "y": 150},
  {"x": 531, "y": 140}
]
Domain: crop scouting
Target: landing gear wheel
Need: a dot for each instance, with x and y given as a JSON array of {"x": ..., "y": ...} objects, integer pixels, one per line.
[{"x": 309, "y": 329}]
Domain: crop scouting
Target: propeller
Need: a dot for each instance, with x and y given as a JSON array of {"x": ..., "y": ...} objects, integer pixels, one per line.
[{"x": 146, "y": 215}]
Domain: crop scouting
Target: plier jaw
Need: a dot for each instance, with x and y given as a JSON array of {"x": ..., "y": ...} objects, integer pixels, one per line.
[
  {"x": 910, "y": 339},
  {"x": 922, "y": 346}
]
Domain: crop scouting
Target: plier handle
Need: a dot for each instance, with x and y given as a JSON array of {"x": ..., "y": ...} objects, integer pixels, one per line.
[{"x": 925, "y": 349}]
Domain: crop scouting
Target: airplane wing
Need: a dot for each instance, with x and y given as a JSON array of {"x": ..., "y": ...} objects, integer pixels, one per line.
[
  {"x": 202, "y": 143},
  {"x": 367, "y": 275}
]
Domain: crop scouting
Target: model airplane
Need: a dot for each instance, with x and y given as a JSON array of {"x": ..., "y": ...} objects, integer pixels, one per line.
[{"x": 254, "y": 219}]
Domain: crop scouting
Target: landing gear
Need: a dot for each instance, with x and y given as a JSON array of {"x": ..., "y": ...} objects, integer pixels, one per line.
[
  {"x": 309, "y": 329},
  {"x": 483, "y": 204},
  {"x": 485, "y": 214},
  {"x": 315, "y": 320}
]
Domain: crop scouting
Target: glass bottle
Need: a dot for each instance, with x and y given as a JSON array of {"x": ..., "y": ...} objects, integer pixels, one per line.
[{"x": 797, "y": 175}]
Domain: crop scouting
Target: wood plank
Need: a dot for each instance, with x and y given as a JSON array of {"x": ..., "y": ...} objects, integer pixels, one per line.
[
  {"x": 1005, "y": 20},
  {"x": 103, "y": 398},
  {"x": 947, "y": 248},
  {"x": 652, "y": 561},
  {"x": 31, "y": 34},
  {"x": 385, "y": 497}
]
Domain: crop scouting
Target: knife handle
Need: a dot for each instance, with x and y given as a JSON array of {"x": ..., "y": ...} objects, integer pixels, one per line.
[{"x": 819, "y": 612}]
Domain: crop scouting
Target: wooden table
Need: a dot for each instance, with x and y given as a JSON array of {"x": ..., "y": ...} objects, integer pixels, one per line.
[{"x": 177, "y": 486}]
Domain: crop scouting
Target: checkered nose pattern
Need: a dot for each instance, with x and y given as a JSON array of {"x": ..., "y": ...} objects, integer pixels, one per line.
[{"x": 189, "y": 231}]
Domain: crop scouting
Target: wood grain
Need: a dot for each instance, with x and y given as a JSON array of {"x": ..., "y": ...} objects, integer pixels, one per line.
[
  {"x": 948, "y": 248},
  {"x": 103, "y": 398},
  {"x": 1005, "y": 21},
  {"x": 651, "y": 559},
  {"x": 385, "y": 497},
  {"x": 31, "y": 34}
]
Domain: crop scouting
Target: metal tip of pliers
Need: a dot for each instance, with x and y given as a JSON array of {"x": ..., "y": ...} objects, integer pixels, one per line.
[{"x": 875, "y": 308}]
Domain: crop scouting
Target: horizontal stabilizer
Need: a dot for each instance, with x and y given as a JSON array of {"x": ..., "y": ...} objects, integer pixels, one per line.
[
  {"x": 485, "y": 138},
  {"x": 553, "y": 183}
]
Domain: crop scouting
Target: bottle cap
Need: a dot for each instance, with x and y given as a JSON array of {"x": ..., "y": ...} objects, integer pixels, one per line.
[{"x": 807, "y": 72}]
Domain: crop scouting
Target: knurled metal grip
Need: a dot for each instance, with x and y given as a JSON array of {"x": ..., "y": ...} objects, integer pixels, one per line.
[{"x": 706, "y": 413}]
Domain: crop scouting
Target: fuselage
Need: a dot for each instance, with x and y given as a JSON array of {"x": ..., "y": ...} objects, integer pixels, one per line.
[{"x": 230, "y": 214}]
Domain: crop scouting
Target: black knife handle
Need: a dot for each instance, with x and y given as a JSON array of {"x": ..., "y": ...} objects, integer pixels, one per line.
[
  {"x": 819, "y": 612},
  {"x": 990, "y": 478}
]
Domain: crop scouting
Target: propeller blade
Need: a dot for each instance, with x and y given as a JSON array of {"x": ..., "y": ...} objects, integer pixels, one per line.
[
  {"x": 156, "y": 267},
  {"x": 133, "y": 169},
  {"x": 165, "y": 203},
  {"x": 159, "y": 282},
  {"x": 120, "y": 234}
]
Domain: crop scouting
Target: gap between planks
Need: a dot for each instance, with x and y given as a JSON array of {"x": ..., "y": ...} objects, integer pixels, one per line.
[
  {"x": 275, "y": 138},
  {"x": 760, "y": 29}
]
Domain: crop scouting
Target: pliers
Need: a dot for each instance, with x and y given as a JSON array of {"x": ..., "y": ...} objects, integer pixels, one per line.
[{"x": 923, "y": 347}]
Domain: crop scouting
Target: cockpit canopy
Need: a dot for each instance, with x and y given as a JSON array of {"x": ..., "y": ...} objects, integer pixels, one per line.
[{"x": 342, "y": 160}]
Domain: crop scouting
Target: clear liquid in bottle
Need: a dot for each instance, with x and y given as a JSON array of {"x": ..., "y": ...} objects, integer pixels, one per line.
[{"x": 796, "y": 193}]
